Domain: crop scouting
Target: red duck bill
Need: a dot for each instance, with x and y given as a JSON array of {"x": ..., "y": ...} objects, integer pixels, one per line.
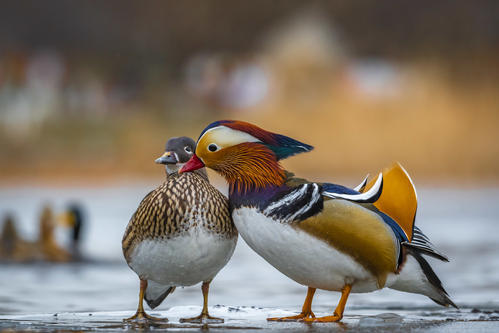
[{"x": 193, "y": 164}]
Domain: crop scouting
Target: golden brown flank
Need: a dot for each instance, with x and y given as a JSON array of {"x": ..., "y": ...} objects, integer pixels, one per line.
[
  {"x": 358, "y": 232},
  {"x": 177, "y": 205}
]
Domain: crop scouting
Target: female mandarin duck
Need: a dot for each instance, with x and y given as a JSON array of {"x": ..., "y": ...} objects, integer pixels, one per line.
[
  {"x": 180, "y": 235},
  {"x": 320, "y": 235}
]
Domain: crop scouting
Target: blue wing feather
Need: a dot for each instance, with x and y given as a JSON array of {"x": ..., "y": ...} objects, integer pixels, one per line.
[
  {"x": 335, "y": 188},
  {"x": 397, "y": 230}
]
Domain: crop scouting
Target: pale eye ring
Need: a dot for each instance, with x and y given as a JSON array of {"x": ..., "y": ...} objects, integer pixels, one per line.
[
  {"x": 213, "y": 147},
  {"x": 188, "y": 149}
]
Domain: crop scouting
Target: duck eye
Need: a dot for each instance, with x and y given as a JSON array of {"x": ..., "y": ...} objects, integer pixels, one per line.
[
  {"x": 213, "y": 147},
  {"x": 188, "y": 149}
]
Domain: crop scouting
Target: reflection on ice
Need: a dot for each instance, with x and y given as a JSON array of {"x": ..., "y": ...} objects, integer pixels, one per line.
[
  {"x": 382, "y": 319},
  {"x": 250, "y": 317}
]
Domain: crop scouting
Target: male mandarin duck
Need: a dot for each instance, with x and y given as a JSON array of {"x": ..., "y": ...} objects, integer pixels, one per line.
[
  {"x": 180, "y": 235},
  {"x": 74, "y": 218},
  {"x": 321, "y": 235}
]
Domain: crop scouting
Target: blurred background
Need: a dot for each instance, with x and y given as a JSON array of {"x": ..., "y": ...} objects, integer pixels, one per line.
[{"x": 90, "y": 92}]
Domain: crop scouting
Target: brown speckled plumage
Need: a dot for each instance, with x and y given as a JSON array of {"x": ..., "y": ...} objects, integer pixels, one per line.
[{"x": 179, "y": 204}]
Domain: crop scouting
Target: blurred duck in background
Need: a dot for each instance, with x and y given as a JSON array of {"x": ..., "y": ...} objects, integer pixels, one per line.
[
  {"x": 74, "y": 219},
  {"x": 15, "y": 249},
  {"x": 12, "y": 247},
  {"x": 180, "y": 235},
  {"x": 49, "y": 249}
]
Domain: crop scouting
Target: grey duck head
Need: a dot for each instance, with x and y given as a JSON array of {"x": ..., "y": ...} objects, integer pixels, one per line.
[{"x": 178, "y": 151}]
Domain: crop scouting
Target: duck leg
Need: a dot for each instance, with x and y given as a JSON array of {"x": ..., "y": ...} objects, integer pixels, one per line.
[
  {"x": 141, "y": 315},
  {"x": 204, "y": 317},
  {"x": 306, "y": 311},
  {"x": 338, "y": 312}
]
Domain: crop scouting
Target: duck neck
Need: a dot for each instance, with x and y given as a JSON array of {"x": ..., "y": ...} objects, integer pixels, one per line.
[
  {"x": 255, "y": 197},
  {"x": 172, "y": 170},
  {"x": 251, "y": 170},
  {"x": 256, "y": 187},
  {"x": 254, "y": 176},
  {"x": 247, "y": 187}
]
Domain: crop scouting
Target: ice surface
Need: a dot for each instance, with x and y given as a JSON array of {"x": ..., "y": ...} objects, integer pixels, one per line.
[
  {"x": 461, "y": 223},
  {"x": 246, "y": 318}
]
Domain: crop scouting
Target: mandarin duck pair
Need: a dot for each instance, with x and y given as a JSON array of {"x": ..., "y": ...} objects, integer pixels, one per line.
[{"x": 320, "y": 235}]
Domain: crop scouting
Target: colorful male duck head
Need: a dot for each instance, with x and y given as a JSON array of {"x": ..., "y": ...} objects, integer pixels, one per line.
[{"x": 246, "y": 155}]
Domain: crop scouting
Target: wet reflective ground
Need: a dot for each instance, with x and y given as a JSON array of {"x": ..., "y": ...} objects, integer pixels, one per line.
[
  {"x": 254, "y": 319},
  {"x": 98, "y": 294},
  {"x": 241, "y": 318}
]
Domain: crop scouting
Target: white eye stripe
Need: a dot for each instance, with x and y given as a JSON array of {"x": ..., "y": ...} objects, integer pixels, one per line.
[{"x": 226, "y": 137}]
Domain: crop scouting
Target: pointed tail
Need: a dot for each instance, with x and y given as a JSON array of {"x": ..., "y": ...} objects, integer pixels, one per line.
[
  {"x": 156, "y": 293},
  {"x": 418, "y": 277},
  {"x": 443, "y": 297}
]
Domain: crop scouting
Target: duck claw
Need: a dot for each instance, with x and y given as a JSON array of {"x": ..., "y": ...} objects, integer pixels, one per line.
[
  {"x": 203, "y": 318},
  {"x": 142, "y": 317},
  {"x": 299, "y": 317}
]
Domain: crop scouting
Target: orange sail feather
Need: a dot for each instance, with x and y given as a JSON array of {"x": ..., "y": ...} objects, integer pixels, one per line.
[{"x": 398, "y": 198}]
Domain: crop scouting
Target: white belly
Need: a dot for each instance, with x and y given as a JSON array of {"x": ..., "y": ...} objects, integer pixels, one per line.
[
  {"x": 185, "y": 260},
  {"x": 300, "y": 256}
]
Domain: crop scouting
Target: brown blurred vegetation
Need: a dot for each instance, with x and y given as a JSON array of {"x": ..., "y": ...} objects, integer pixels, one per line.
[{"x": 437, "y": 113}]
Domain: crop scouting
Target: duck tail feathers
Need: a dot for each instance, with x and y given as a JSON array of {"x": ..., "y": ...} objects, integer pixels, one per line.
[
  {"x": 426, "y": 250},
  {"x": 421, "y": 244},
  {"x": 443, "y": 298},
  {"x": 416, "y": 276},
  {"x": 156, "y": 293}
]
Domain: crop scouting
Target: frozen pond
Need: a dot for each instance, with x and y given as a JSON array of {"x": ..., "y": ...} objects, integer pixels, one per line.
[{"x": 461, "y": 223}]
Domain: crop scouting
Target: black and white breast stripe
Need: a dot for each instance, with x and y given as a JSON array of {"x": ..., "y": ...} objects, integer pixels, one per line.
[
  {"x": 422, "y": 243},
  {"x": 296, "y": 205}
]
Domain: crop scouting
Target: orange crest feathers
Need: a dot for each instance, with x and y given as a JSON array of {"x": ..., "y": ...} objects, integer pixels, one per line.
[{"x": 249, "y": 166}]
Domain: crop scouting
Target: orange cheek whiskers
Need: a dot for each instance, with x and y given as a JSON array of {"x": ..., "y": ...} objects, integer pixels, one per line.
[{"x": 250, "y": 166}]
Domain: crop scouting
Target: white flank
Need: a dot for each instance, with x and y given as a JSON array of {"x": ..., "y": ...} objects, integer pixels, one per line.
[
  {"x": 185, "y": 260},
  {"x": 300, "y": 256}
]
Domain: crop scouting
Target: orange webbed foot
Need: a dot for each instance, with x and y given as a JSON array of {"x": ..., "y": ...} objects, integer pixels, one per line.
[
  {"x": 327, "y": 319},
  {"x": 301, "y": 316},
  {"x": 203, "y": 318},
  {"x": 142, "y": 317}
]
